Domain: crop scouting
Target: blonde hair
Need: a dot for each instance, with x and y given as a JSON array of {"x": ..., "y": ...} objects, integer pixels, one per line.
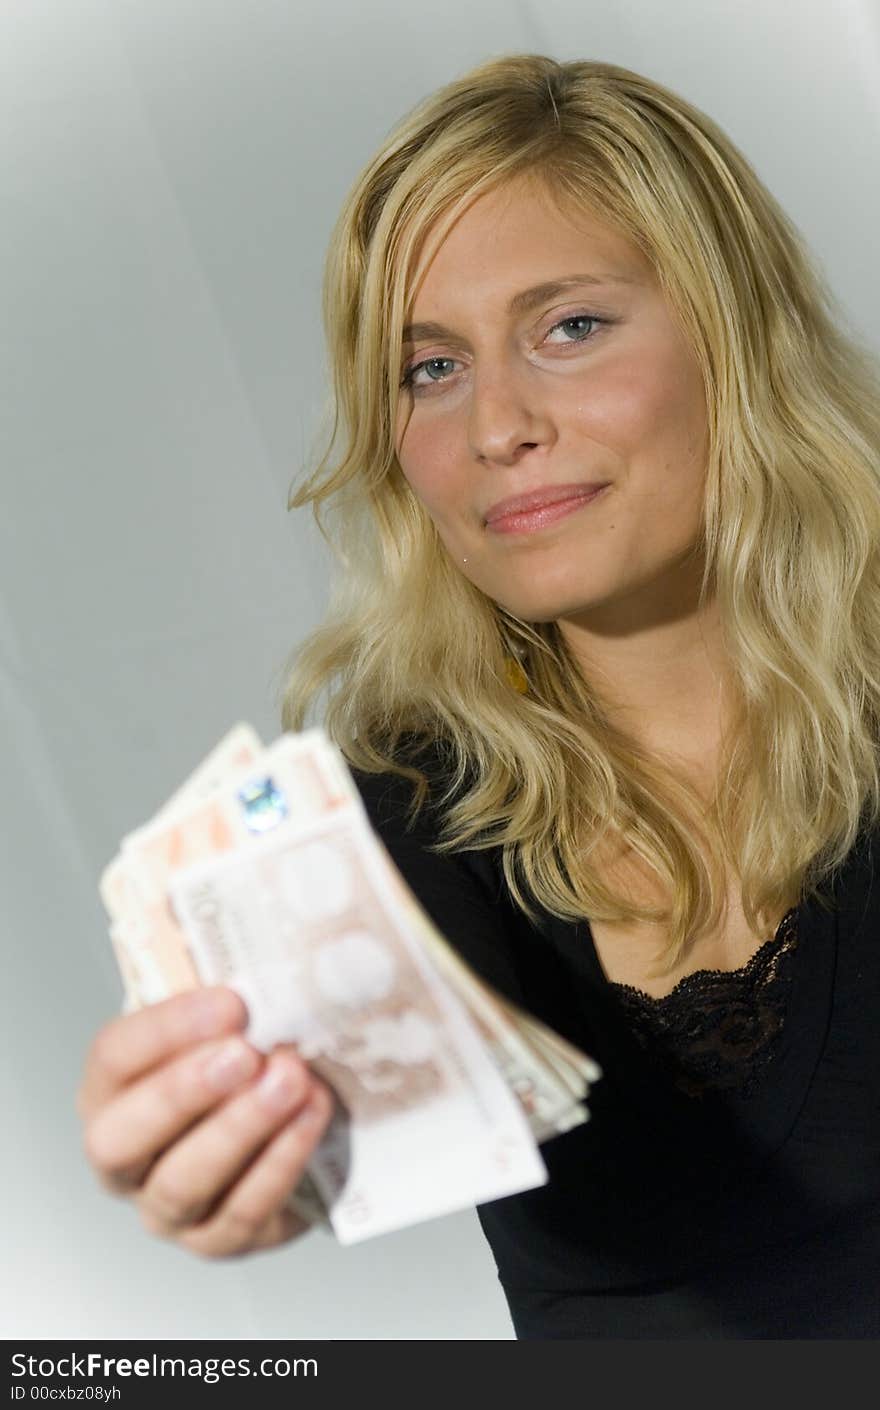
[{"x": 411, "y": 650}]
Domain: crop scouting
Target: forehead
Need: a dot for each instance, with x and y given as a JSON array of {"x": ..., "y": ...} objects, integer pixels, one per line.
[{"x": 518, "y": 233}]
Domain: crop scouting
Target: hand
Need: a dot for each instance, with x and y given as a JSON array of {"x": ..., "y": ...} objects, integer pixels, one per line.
[{"x": 206, "y": 1135}]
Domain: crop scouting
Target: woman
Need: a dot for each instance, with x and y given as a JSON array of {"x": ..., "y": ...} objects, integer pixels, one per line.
[{"x": 605, "y": 660}]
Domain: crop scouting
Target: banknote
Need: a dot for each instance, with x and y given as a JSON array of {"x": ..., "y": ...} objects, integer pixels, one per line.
[
  {"x": 238, "y": 749},
  {"x": 228, "y": 804},
  {"x": 155, "y": 966},
  {"x": 242, "y": 798},
  {"x": 297, "y": 779},
  {"x": 151, "y": 951},
  {"x": 426, "y": 1122},
  {"x": 550, "y": 1091}
]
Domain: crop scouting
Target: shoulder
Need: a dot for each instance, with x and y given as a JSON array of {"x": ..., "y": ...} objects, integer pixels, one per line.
[{"x": 390, "y": 797}]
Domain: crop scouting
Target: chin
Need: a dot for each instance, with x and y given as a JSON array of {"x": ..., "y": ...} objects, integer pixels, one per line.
[{"x": 527, "y": 609}]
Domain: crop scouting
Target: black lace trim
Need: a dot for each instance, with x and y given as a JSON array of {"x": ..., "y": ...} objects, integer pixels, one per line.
[{"x": 718, "y": 1029}]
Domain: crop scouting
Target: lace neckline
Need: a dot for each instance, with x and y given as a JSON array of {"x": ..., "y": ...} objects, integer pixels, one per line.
[
  {"x": 718, "y": 1029},
  {"x": 699, "y": 979}
]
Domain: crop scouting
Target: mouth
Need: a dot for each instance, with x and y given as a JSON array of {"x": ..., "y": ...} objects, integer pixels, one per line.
[{"x": 529, "y": 513}]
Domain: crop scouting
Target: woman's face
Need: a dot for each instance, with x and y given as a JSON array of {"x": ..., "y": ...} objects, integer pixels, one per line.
[{"x": 590, "y": 383}]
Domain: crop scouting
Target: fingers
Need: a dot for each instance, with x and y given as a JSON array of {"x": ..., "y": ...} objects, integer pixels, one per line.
[
  {"x": 190, "y": 1176},
  {"x": 135, "y": 1043},
  {"x": 254, "y": 1212},
  {"x": 181, "y": 1110},
  {"x": 126, "y": 1135}
]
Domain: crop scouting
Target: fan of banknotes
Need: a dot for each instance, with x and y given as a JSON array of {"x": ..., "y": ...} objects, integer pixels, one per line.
[{"x": 264, "y": 873}]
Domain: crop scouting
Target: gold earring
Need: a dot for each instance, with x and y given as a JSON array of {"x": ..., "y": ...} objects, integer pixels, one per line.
[{"x": 516, "y": 676}]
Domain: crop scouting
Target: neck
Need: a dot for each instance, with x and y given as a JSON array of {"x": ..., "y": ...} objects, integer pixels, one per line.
[{"x": 664, "y": 681}]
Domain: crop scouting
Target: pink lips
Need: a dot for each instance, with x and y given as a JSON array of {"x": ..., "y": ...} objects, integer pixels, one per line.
[{"x": 524, "y": 513}]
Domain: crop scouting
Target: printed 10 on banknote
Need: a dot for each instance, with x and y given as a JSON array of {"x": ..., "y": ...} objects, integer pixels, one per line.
[{"x": 264, "y": 873}]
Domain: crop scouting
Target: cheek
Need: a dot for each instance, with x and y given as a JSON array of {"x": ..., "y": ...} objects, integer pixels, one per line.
[
  {"x": 429, "y": 467},
  {"x": 651, "y": 416},
  {"x": 614, "y": 411},
  {"x": 639, "y": 405}
]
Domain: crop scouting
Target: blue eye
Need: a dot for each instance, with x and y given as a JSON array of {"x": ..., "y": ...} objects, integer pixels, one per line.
[
  {"x": 575, "y": 318},
  {"x": 428, "y": 362},
  {"x": 407, "y": 381}
]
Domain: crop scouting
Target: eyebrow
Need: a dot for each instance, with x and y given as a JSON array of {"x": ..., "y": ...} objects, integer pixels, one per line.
[{"x": 521, "y": 303}]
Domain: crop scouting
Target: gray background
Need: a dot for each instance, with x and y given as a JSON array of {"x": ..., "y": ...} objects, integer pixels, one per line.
[{"x": 171, "y": 170}]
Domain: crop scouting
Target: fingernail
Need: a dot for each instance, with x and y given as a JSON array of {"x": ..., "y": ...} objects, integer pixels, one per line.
[
  {"x": 210, "y": 1013},
  {"x": 312, "y": 1114},
  {"x": 230, "y": 1065},
  {"x": 280, "y": 1086}
]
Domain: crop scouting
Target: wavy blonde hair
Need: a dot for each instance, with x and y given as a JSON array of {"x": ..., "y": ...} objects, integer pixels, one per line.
[{"x": 410, "y": 650}]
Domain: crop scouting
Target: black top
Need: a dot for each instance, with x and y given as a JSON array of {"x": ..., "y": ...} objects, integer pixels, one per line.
[{"x": 727, "y": 1183}]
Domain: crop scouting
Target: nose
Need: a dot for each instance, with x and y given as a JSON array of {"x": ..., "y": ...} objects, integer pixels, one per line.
[{"x": 505, "y": 419}]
